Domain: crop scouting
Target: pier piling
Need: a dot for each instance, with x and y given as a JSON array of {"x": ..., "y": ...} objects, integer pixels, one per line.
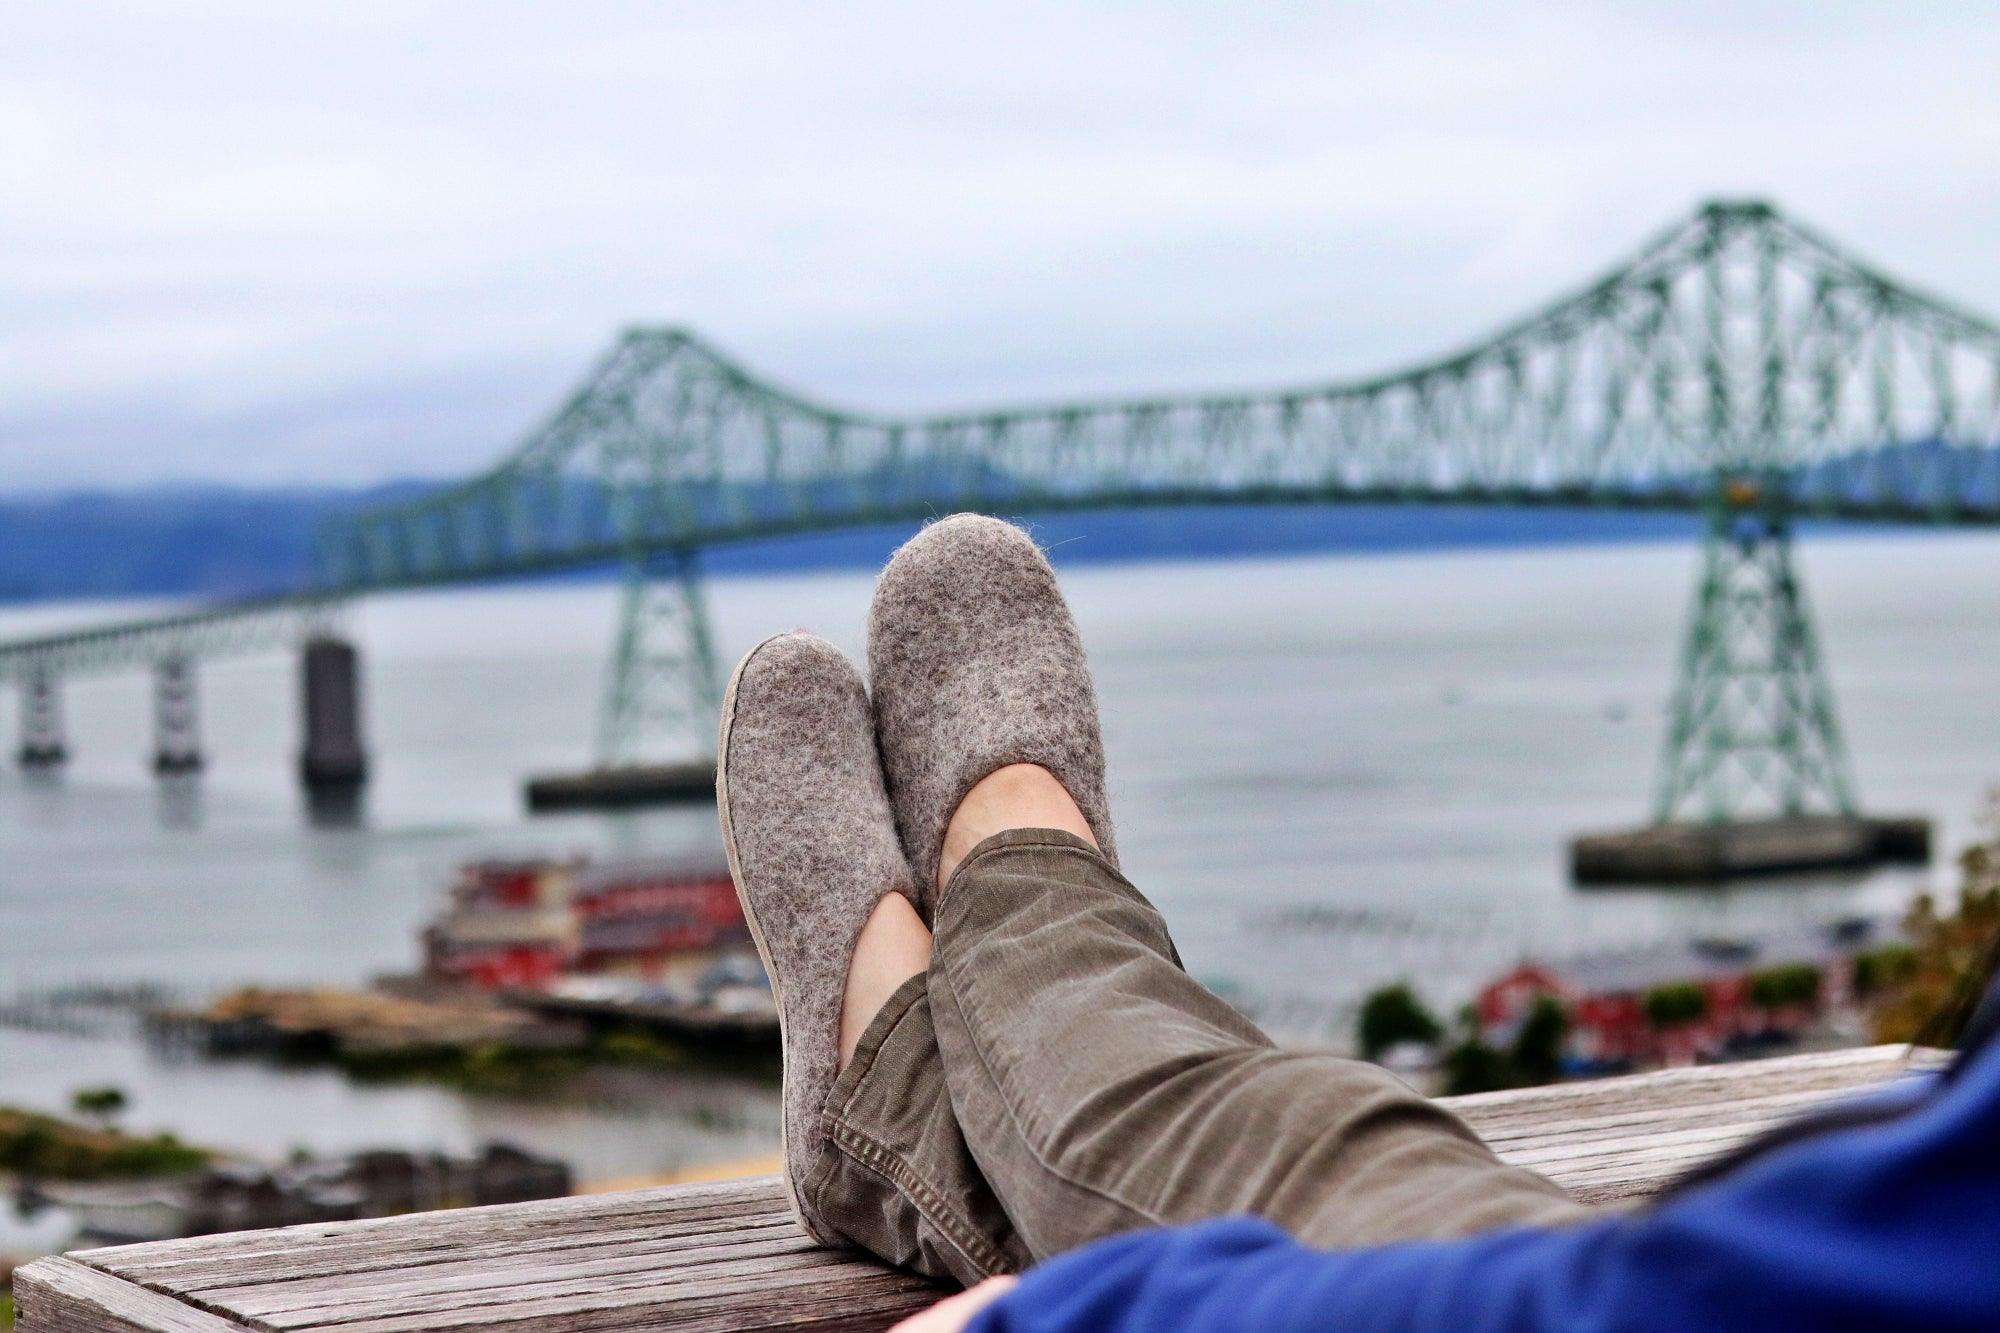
[
  {"x": 42, "y": 744},
  {"x": 176, "y": 729},
  {"x": 333, "y": 761}
]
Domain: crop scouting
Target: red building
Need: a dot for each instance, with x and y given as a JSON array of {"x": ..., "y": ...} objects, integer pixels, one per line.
[
  {"x": 537, "y": 923},
  {"x": 651, "y": 919},
  {"x": 1605, "y": 995},
  {"x": 505, "y": 923}
]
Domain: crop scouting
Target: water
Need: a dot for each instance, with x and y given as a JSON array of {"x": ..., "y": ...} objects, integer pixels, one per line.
[{"x": 1329, "y": 772}]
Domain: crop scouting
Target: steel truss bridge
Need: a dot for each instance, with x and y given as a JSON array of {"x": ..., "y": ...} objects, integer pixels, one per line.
[{"x": 1740, "y": 364}]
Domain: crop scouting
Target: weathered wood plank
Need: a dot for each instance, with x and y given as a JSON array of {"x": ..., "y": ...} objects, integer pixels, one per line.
[
  {"x": 729, "y": 1256},
  {"x": 769, "y": 1219},
  {"x": 486, "y": 1281},
  {"x": 414, "y": 1233},
  {"x": 60, "y": 1295},
  {"x": 1496, "y": 1114},
  {"x": 789, "y": 1297},
  {"x": 1550, "y": 1153}
]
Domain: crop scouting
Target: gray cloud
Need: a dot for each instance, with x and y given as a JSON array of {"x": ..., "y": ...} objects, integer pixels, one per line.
[{"x": 337, "y": 242}]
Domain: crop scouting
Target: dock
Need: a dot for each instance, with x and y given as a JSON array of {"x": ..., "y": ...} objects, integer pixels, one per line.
[
  {"x": 701, "y": 1026},
  {"x": 728, "y": 1256},
  {"x": 622, "y": 788},
  {"x": 1693, "y": 853}
]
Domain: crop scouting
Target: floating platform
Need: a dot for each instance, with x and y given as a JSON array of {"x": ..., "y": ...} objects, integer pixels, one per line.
[
  {"x": 622, "y": 788},
  {"x": 1710, "y": 853},
  {"x": 699, "y": 1025}
]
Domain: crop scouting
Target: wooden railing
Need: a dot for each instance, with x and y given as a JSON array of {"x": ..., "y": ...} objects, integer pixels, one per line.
[{"x": 728, "y": 1256}]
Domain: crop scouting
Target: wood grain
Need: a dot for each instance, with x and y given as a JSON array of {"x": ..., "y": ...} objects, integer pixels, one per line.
[
  {"x": 61, "y": 1294},
  {"x": 728, "y": 1256}
]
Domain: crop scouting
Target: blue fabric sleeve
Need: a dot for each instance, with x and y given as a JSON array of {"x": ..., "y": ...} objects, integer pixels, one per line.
[{"x": 1894, "y": 1226}]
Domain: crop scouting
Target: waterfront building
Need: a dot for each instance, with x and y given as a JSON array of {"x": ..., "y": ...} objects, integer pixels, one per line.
[
  {"x": 659, "y": 924},
  {"x": 1678, "y": 1003}
]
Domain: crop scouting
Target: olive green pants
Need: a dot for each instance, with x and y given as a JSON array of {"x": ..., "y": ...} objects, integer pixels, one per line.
[{"x": 1056, "y": 1077}]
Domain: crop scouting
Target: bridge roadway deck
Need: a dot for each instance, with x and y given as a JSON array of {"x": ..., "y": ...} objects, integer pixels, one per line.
[{"x": 728, "y": 1256}]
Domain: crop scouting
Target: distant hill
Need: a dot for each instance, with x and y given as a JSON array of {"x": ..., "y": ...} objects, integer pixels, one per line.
[
  {"x": 212, "y": 540},
  {"x": 222, "y": 541}
]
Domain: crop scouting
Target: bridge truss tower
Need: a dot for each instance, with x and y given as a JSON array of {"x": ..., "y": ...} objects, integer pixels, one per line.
[
  {"x": 662, "y": 696},
  {"x": 1753, "y": 728}
]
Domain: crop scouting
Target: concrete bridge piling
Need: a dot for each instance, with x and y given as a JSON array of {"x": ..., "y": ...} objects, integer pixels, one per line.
[
  {"x": 176, "y": 719},
  {"x": 332, "y": 761},
  {"x": 42, "y": 743}
]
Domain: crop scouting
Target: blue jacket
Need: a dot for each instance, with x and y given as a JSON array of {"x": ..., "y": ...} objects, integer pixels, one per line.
[{"x": 1891, "y": 1223}]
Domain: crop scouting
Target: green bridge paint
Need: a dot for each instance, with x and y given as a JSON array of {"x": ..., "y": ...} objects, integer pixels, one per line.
[{"x": 1739, "y": 364}]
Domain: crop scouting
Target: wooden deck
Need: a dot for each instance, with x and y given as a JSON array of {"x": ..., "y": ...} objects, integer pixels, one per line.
[{"x": 728, "y": 1256}]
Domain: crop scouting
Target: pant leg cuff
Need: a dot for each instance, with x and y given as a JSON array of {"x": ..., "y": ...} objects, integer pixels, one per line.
[
  {"x": 849, "y": 1081},
  {"x": 872, "y": 1037},
  {"x": 1022, "y": 837}
]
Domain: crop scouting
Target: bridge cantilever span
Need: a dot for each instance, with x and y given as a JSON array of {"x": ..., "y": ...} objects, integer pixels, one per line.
[
  {"x": 1737, "y": 341},
  {"x": 1739, "y": 363}
]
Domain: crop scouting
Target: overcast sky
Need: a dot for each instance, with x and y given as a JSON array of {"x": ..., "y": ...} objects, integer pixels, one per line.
[{"x": 293, "y": 242}]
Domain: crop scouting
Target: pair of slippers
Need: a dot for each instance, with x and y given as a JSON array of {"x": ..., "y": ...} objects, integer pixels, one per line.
[{"x": 834, "y": 794}]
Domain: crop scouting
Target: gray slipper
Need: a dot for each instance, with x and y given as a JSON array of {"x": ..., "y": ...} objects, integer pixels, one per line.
[
  {"x": 812, "y": 847},
  {"x": 974, "y": 663}
]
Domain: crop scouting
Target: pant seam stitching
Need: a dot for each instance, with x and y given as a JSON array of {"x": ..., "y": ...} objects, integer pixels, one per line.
[
  {"x": 1014, "y": 1115},
  {"x": 872, "y": 1155}
]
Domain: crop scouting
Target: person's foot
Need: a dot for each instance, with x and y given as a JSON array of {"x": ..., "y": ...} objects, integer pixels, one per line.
[
  {"x": 1017, "y": 796},
  {"x": 812, "y": 847},
  {"x": 975, "y": 666}
]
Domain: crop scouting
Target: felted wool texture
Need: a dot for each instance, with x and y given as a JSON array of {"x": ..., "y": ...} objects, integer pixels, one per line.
[
  {"x": 812, "y": 847},
  {"x": 974, "y": 663}
]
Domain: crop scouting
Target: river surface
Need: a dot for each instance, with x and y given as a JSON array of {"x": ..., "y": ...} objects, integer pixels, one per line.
[{"x": 1328, "y": 771}]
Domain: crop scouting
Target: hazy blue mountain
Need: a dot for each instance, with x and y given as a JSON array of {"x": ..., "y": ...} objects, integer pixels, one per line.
[
  {"x": 167, "y": 539},
  {"x": 224, "y": 541}
]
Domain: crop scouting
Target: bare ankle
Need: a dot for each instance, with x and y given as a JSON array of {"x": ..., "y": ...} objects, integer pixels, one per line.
[
  {"x": 1016, "y": 796},
  {"x": 894, "y": 945}
]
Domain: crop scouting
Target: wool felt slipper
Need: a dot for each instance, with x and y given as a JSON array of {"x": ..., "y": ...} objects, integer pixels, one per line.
[
  {"x": 812, "y": 847},
  {"x": 974, "y": 663}
]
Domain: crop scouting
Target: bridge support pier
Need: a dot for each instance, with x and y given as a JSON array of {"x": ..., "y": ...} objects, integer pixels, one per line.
[
  {"x": 1753, "y": 777},
  {"x": 332, "y": 762},
  {"x": 176, "y": 719},
  {"x": 656, "y": 729},
  {"x": 1753, "y": 729},
  {"x": 42, "y": 744}
]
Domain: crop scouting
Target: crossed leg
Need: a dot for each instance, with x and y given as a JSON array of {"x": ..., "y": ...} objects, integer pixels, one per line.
[{"x": 1051, "y": 1075}]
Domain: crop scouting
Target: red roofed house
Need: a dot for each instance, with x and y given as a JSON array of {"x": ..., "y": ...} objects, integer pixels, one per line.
[{"x": 1605, "y": 994}]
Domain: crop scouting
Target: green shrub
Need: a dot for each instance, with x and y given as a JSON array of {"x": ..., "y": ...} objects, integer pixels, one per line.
[
  {"x": 1391, "y": 1016},
  {"x": 41, "y": 1145},
  {"x": 1884, "y": 968},
  {"x": 1538, "y": 1045},
  {"x": 100, "y": 1104},
  {"x": 1785, "y": 985},
  {"x": 1473, "y": 1066},
  {"x": 1675, "y": 1003}
]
